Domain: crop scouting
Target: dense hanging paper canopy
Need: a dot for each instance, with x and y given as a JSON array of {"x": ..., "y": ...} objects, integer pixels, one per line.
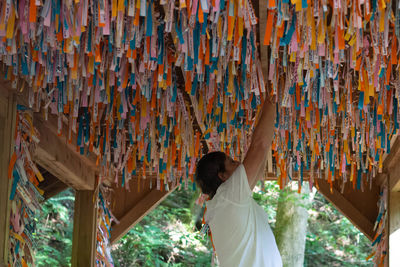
[
  {"x": 333, "y": 69},
  {"x": 122, "y": 72}
]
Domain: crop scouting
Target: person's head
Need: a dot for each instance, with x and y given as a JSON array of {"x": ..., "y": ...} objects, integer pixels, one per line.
[{"x": 212, "y": 170}]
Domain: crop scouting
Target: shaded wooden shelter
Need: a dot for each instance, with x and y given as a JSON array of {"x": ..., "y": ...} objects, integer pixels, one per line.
[{"x": 63, "y": 166}]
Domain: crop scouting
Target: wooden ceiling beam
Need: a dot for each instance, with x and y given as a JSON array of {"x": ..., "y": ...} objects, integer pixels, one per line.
[
  {"x": 391, "y": 166},
  {"x": 262, "y": 11},
  {"x": 359, "y": 207},
  {"x": 88, "y": 159},
  {"x": 198, "y": 125},
  {"x": 141, "y": 209},
  {"x": 56, "y": 157},
  {"x": 53, "y": 152}
]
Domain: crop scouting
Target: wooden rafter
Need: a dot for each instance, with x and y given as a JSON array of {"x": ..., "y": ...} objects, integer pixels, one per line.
[
  {"x": 56, "y": 157},
  {"x": 146, "y": 204},
  {"x": 261, "y": 8},
  {"x": 359, "y": 207}
]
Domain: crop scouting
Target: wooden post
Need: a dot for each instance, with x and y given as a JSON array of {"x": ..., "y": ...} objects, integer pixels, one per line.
[
  {"x": 7, "y": 129},
  {"x": 394, "y": 228},
  {"x": 85, "y": 229}
]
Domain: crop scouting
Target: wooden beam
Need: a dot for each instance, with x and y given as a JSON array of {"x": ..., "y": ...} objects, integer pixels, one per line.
[
  {"x": 196, "y": 110},
  {"x": 85, "y": 229},
  {"x": 391, "y": 166},
  {"x": 189, "y": 104},
  {"x": 55, "y": 153},
  {"x": 89, "y": 159},
  {"x": 7, "y": 129},
  {"x": 359, "y": 207},
  {"x": 392, "y": 158},
  {"x": 262, "y": 17},
  {"x": 141, "y": 209},
  {"x": 196, "y": 123},
  {"x": 55, "y": 156},
  {"x": 395, "y": 182}
]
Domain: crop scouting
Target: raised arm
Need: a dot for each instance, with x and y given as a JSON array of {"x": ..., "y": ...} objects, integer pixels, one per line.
[
  {"x": 260, "y": 143},
  {"x": 260, "y": 173}
]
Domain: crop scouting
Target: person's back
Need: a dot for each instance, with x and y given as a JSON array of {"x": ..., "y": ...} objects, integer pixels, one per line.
[
  {"x": 240, "y": 230},
  {"x": 241, "y": 234}
]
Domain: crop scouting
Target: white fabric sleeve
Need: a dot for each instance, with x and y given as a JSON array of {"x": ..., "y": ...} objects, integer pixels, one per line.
[{"x": 236, "y": 188}]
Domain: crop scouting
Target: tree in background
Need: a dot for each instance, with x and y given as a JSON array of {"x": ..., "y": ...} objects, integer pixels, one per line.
[
  {"x": 291, "y": 224},
  {"x": 331, "y": 240}
]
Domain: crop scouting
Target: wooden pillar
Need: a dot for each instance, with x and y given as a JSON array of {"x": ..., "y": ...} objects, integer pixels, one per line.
[
  {"x": 7, "y": 129},
  {"x": 394, "y": 228},
  {"x": 85, "y": 228}
]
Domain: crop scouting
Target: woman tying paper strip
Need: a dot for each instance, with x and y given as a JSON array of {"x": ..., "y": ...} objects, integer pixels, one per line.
[{"x": 240, "y": 231}]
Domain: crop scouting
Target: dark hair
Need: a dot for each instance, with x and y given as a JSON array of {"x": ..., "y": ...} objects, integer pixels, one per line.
[{"x": 207, "y": 171}]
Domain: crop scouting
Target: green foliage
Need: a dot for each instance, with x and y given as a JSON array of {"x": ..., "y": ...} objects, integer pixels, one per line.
[
  {"x": 267, "y": 196},
  {"x": 332, "y": 240},
  {"x": 54, "y": 231},
  {"x": 165, "y": 237}
]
